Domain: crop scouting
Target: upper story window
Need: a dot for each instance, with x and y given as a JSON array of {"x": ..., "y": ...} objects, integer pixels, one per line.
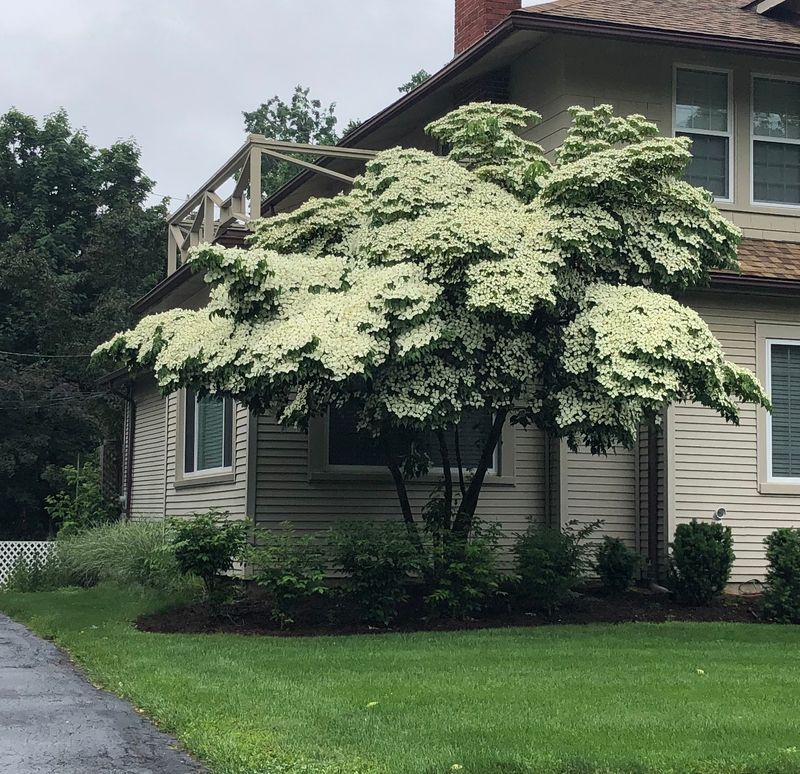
[
  {"x": 776, "y": 141},
  {"x": 348, "y": 446},
  {"x": 703, "y": 113},
  {"x": 783, "y": 374},
  {"x": 208, "y": 433}
]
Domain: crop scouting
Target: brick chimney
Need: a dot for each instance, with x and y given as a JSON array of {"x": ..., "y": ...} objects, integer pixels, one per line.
[{"x": 474, "y": 18}]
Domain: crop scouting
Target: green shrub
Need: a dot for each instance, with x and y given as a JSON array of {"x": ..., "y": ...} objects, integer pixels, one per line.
[
  {"x": 291, "y": 568},
  {"x": 551, "y": 562},
  {"x": 462, "y": 578},
  {"x": 782, "y": 587},
  {"x": 701, "y": 561},
  {"x": 206, "y": 545},
  {"x": 136, "y": 552},
  {"x": 80, "y": 503},
  {"x": 378, "y": 560},
  {"x": 616, "y": 564}
]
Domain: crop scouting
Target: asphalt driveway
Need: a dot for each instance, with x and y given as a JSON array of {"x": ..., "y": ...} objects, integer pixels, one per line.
[{"x": 52, "y": 721}]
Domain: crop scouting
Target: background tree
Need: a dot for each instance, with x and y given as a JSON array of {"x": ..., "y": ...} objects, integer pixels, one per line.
[
  {"x": 485, "y": 280},
  {"x": 415, "y": 80},
  {"x": 301, "y": 119},
  {"x": 77, "y": 246}
]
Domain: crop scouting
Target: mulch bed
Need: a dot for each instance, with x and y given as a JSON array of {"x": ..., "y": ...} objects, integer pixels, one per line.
[{"x": 252, "y": 616}]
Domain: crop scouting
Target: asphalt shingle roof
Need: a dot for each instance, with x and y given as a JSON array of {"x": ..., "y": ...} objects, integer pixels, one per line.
[{"x": 735, "y": 19}]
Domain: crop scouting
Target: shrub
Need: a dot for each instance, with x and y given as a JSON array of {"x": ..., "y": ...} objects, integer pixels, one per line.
[
  {"x": 378, "y": 560},
  {"x": 206, "y": 545},
  {"x": 291, "y": 568},
  {"x": 782, "y": 587},
  {"x": 462, "y": 577},
  {"x": 127, "y": 553},
  {"x": 701, "y": 561},
  {"x": 616, "y": 564},
  {"x": 551, "y": 562},
  {"x": 80, "y": 503}
]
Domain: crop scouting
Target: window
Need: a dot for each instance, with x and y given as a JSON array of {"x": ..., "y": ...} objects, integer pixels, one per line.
[
  {"x": 702, "y": 113},
  {"x": 783, "y": 379},
  {"x": 208, "y": 433},
  {"x": 776, "y": 141},
  {"x": 349, "y": 447}
]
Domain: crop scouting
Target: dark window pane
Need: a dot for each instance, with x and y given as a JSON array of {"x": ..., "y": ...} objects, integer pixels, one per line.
[
  {"x": 776, "y": 172},
  {"x": 348, "y": 446},
  {"x": 776, "y": 108},
  {"x": 188, "y": 432},
  {"x": 710, "y": 163},
  {"x": 210, "y": 430},
  {"x": 701, "y": 100},
  {"x": 785, "y": 388}
]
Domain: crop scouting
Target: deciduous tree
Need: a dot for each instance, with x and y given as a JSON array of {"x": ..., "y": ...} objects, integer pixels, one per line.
[{"x": 486, "y": 279}]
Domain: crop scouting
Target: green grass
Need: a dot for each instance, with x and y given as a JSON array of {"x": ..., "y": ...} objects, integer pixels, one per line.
[{"x": 554, "y": 699}]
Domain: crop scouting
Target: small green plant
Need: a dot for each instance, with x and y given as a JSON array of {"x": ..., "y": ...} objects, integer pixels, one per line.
[
  {"x": 206, "y": 545},
  {"x": 461, "y": 577},
  {"x": 701, "y": 561},
  {"x": 27, "y": 574},
  {"x": 551, "y": 562},
  {"x": 378, "y": 560},
  {"x": 616, "y": 564},
  {"x": 80, "y": 503},
  {"x": 291, "y": 568},
  {"x": 782, "y": 586}
]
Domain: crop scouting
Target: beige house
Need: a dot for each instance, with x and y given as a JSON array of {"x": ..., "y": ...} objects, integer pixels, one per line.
[{"x": 724, "y": 72}]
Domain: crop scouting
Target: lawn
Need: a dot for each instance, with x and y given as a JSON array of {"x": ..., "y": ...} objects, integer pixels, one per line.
[{"x": 628, "y": 698}]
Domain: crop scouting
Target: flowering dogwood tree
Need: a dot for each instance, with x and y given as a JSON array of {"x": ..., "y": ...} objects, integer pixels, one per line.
[{"x": 485, "y": 279}]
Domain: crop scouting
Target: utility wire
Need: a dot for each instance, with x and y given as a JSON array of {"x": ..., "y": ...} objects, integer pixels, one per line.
[{"x": 34, "y": 354}]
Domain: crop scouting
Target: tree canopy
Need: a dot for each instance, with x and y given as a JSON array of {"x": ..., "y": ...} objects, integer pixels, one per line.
[
  {"x": 485, "y": 279},
  {"x": 77, "y": 246}
]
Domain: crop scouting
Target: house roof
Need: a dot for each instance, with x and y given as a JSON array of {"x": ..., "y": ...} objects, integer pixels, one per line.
[
  {"x": 767, "y": 259},
  {"x": 734, "y": 19}
]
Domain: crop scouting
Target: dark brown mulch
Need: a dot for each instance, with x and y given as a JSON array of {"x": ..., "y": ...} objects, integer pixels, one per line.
[{"x": 252, "y": 616}]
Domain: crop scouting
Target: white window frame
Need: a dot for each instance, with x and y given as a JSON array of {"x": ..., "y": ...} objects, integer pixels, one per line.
[
  {"x": 792, "y": 480},
  {"x": 757, "y": 138},
  {"x": 228, "y": 406},
  {"x": 709, "y": 132},
  {"x": 432, "y": 471}
]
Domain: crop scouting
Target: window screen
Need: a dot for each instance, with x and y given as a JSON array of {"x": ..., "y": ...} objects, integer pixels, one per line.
[
  {"x": 776, "y": 141},
  {"x": 702, "y": 114},
  {"x": 785, "y": 421},
  {"x": 208, "y": 433}
]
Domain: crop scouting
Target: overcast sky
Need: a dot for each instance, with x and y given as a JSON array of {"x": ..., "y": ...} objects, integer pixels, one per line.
[{"x": 177, "y": 74}]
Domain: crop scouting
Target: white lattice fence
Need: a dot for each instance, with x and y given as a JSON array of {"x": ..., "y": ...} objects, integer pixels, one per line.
[{"x": 11, "y": 550}]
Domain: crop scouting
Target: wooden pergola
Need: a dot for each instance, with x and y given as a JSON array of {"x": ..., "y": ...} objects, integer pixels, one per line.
[{"x": 205, "y": 214}]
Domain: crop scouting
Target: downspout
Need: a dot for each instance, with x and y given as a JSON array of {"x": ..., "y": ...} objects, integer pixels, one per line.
[
  {"x": 131, "y": 421},
  {"x": 652, "y": 509}
]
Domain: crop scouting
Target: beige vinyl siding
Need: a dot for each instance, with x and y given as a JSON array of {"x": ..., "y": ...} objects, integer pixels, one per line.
[
  {"x": 147, "y": 489},
  {"x": 714, "y": 464},
  {"x": 229, "y": 497},
  {"x": 603, "y": 487},
  {"x": 638, "y": 78},
  {"x": 285, "y": 490}
]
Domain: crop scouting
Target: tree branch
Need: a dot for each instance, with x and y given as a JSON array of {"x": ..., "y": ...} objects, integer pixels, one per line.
[
  {"x": 462, "y": 486},
  {"x": 448, "y": 478},
  {"x": 402, "y": 491},
  {"x": 466, "y": 513}
]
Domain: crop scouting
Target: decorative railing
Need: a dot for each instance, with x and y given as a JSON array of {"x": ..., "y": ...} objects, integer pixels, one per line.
[{"x": 206, "y": 214}]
